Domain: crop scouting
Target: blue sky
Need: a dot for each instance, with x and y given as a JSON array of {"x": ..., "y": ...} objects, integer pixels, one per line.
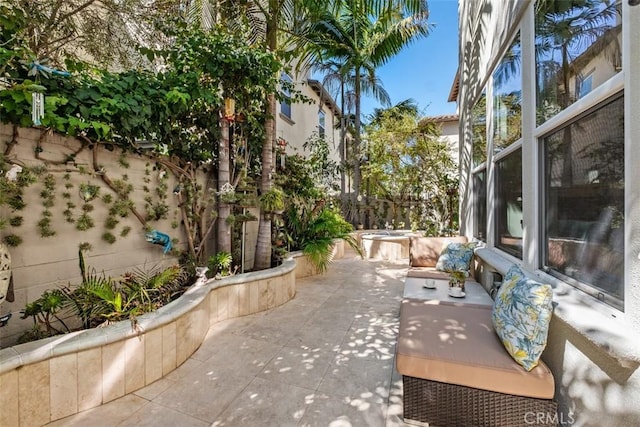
[{"x": 425, "y": 70}]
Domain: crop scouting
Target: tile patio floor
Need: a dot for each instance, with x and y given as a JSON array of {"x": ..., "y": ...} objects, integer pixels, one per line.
[{"x": 326, "y": 358}]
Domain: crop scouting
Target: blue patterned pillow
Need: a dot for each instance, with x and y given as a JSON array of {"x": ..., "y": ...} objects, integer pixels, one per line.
[
  {"x": 521, "y": 315},
  {"x": 514, "y": 271},
  {"x": 456, "y": 257}
]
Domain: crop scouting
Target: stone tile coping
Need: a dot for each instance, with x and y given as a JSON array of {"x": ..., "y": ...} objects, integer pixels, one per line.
[{"x": 36, "y": 351}]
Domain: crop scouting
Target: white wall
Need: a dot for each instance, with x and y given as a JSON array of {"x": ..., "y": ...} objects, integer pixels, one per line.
[{"x": 593, "y": 349}]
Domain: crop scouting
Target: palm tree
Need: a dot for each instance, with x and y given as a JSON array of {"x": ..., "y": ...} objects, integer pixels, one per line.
[
  {"x": 339, "y": 81},
  {"x": 362, "y": 35},
  {"x": 577, "y": 31}
]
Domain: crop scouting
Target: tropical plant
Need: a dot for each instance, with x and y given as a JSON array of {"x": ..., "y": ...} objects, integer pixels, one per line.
[
  {"x": 362, "y": 35},
  {"x": 309, "y": 223},
  {"x": 313, "y": 228},
  {"x": 273, "y": 200},
  {"x": 220, "y": 264},
  {"x": 407, "y": 161},
  {"x": 44, "y": 311}
]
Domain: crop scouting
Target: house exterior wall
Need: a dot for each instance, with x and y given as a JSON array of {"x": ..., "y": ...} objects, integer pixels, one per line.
[
  {"x": 593, "y": 349},
  {"x": 304, "y": 122}
]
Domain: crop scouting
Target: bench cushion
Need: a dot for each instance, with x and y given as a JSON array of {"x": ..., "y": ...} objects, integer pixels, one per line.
[
  {"x": 457, "y": 345},
  {"x": 425, "y": 251},
  {"x": 431, "y": 273}
]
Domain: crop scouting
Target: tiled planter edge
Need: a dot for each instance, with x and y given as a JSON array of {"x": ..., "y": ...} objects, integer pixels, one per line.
[{"x": 49, "y": 379}]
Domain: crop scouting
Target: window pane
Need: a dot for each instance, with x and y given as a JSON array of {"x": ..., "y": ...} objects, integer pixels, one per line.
[
  {"x": 584, "y": 197},
  {"x": 285, "y": 106},
  {"x": 321, "y": 124},
  {"x": 509, "y": 204},
  {"x": 479, "y": 125},
  {"x": 507, "y": 98},
  {"x": 578, "y": 47},
  {"x": 480, "y": 204}
]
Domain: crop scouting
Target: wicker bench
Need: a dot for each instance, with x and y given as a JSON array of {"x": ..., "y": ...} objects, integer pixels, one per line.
[{"x": 456, "y": 372}]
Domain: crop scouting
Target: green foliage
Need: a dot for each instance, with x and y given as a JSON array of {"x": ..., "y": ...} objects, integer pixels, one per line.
[
  {"x": 98, "y": 298},
  {"x": 44, "y": 311},
  {"x": 407, "y": 161},
  {"x": 220, "y": 264},
  {"x": 109, "y": 237},
  {"x": 84, "y": 222},
  {"x": 16, "y": 221},
  {"x": 125, "y": 231},
  {"x": 309, "y": 224},
  {"x": 89, "y": 192},
  {"x": 272, "y": 200},
  {"x": 12, "y": 240}
]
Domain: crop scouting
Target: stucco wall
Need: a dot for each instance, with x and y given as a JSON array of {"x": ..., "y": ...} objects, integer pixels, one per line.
[
  {"x": 304, "y": 122},
  {"x": 593, "y": 350},
  {"x": 42, "y": 263}
]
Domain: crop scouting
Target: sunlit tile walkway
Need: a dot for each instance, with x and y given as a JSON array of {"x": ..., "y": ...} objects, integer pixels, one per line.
[{"x": 326, "y": 358}]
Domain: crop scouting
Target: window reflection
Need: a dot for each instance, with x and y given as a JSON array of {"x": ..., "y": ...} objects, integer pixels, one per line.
[
  {"x": 479, "y": 128},
  {"x": 584, "y": 198},
  {"x": 578, "y": 47},
  {"x": 507, "y": 98},
  {"x": 509, "y": 206},
  {"x": 480, "y": 204},
  {"x": 285, "y": 104}
]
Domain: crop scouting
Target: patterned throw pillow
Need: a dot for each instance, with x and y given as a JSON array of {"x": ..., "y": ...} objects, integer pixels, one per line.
[
  {"x": 521, "y": 314},
  {"x": 456, "y": 257},
  {"x": 514, "y": 271}
]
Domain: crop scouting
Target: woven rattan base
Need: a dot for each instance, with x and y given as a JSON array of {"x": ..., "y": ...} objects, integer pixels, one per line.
[{"x": 438, "y": 404}]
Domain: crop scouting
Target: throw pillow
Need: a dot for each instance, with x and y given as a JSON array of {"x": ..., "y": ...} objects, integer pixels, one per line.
[
  {"x": 521, "y": 315},
  {"x": 456, "y": 257},
  {"x": 514, "y": 271}
]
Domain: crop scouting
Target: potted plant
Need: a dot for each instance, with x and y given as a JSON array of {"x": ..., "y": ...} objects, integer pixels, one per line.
[
  {"x": 272, "y": 201},
  {"x": 457, "y": 278}
]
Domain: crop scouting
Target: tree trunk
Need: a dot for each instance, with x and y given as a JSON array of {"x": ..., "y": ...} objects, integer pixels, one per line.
[
  {"x": 263, "y": 245},
  {"x": 224, "y": 210},
  {"x": 356, "y": 149}
]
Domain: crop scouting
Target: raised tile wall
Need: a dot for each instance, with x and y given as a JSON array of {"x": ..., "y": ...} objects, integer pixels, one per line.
[{"x": 53, "y": 378}]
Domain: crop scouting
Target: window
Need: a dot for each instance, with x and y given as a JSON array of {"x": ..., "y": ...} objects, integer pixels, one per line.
[
  {"x": 570, "y": 38},
  {"x": 584, "y": 202},
  {"x": 479, "y": 126},
  {"x": 584, "y": 85},
  {"x": 507, "y": 98},
  {"x": 509, "y": 203},
  {"x": 285, "y": 105},
  {"x": 321, "y": 123},
  {"x": 480, "y": 205}
]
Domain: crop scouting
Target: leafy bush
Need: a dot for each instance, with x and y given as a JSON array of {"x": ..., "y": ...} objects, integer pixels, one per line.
[
  {"x": 220, "y": 264},
  {"x": 100, "y": 299}
]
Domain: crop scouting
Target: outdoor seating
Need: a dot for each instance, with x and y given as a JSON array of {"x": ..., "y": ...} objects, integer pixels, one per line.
[
  {"x": 455, "y": 369},
  {"x": 424, "y": 253}
]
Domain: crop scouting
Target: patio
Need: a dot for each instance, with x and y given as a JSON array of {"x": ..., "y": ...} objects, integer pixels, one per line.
[{"x": 328, "y": 362}]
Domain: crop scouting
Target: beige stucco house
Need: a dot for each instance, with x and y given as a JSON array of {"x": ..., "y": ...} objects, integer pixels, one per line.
[
  {"x": 299, "y": 121},
  {"x": 549, "y": 181}
]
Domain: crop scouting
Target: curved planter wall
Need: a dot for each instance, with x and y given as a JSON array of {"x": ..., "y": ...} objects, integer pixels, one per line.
[{"x": 51, "y": 379}]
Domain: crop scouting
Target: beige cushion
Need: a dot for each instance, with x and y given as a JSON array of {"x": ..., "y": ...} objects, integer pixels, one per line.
[
  {"x": 457, "y": 345},
  {"x": 425, "y": 251},
  {"x": 430, "y": 273}
]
